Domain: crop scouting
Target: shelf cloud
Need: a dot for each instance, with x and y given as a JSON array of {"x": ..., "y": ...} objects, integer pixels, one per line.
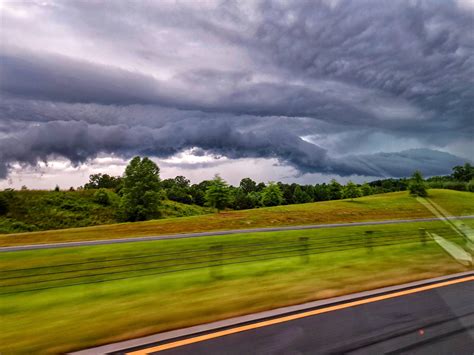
[{"x": 313, "y": 84}]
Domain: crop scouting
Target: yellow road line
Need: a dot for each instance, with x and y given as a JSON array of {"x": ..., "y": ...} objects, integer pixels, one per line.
[{"x": 283, "y": 319}]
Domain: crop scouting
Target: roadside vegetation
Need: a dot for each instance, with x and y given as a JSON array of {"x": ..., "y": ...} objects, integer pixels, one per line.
[
  {"x": 395, "y": 205},
  {"x": 141, "y": 195},
  {"x": 109, "y": 293}
]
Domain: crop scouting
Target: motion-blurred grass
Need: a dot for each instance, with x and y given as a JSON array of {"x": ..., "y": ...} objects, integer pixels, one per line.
[{"x": 69, "y": 318}]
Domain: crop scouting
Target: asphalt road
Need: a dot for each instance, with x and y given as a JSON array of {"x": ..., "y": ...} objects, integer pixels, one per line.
[
  {"x": 216, "y": 233},
  {"x": 434, "y": 321}
]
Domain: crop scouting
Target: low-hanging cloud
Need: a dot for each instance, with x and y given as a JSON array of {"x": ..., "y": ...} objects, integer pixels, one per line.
[{"x": 241, "y": 80}]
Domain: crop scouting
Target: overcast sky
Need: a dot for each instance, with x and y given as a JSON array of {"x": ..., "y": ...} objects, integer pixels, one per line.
[{"x": 276, "y": 90}]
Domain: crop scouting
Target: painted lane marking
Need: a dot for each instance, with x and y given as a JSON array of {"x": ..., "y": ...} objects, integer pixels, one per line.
[{"x": 292, "y": 317}]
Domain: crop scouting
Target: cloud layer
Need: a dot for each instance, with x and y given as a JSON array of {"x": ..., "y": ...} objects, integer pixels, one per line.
[{"x": 336, "y": 87}]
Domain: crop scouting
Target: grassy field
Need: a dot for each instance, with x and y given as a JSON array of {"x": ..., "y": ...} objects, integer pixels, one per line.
[
  {"x": 397, "y": 205},
  {"x": 100, "y": 294}
]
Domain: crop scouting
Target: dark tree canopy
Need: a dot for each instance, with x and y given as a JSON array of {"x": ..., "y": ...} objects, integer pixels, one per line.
[
  {"x": 463, "y": 173},
  {"x": 272, "y": 195},
  {"x": 103, "y": 181},
  {"x": 417, "y": 185},
  {"x": 141, "y": 190},
  {"x": 217, "y": 194}
]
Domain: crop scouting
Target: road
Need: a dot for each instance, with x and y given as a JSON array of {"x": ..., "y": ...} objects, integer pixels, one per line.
[
  {"x": 433, "y": 319},
  {"x": 217, "y": 233}
]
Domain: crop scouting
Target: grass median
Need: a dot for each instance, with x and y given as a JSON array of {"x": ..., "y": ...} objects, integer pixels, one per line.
[{"x": 252, "y": 272}]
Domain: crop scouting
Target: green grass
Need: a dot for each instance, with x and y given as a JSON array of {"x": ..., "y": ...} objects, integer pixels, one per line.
[
  {"x": 396, "y": 205},
  {"x": 63, "y": 319},
  {"x": 45, "y": 210}
]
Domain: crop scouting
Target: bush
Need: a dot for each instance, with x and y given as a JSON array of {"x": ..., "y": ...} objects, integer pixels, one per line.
[
  {"x": 102, "y": 197},
  {"x": 417, "y": 185}
]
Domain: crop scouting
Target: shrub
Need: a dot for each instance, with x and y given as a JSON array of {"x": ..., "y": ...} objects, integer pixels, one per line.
[
  {"x": 455, "y": 185},
  {"x": 417, "y": 185},
  {"x": 102, "y": 197}
]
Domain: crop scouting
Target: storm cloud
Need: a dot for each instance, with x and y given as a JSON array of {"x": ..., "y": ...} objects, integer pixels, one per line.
[{"x": 335, "y": 87}]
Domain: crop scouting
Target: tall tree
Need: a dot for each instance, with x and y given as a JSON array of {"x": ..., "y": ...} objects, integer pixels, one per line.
[
  {"x": 217, "y": 194},
  {"x": 141, "y": 190},
  {"x": 366, "y": 189},
  {"x": 417, "y": 185},
  {"x": 335, "y": 190},
  {"x": 103, "y": 181},
  {"x": 463, "y": 173},
  {"x": 272, "y": 195},
  {"x": 300, "y": 196},
  {"x": 247, "y": 185},
  {"x": 351, "y": 191}
]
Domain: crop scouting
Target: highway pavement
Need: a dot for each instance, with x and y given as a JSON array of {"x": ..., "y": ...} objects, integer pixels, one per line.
[{"x": 437, "y": 318}]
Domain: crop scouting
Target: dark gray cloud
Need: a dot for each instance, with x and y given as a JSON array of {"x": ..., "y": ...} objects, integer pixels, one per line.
[{"x": 339, "y": 87}]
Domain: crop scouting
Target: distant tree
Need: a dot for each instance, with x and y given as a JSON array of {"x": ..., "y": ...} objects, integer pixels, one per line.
[
  {"x": 351, "y": 191},
  {"x": 3, "y": 205},
  {"x": 242, "y": 200},
  {"x": 247, "y": 185},
  {"x": 255, "y": 198},
  {"x": 463, "y": 173},
  {"x": 103, "y": 181},
  {"x": 178, "y": 189},
  {"x": 417, "y": 185},
  {"x": 260, "y": 186},
  {"x": 198, "y": 192},
  {"x": 335, "y": 190},
  {"x": 217, "y": 194},
  {"x": 366, "y": 189},
  {"x": 24, "y": 188},
  {"x": 72, "y": 189},
  {"x": 56, "y": 188},
  {"x": 101, "y": 197},
  {"x": 141, "y": 190},
  {"x": 300, "y": 196},
  {"x": 272, "y": 195},
  {"x": 321, "y": 192}
]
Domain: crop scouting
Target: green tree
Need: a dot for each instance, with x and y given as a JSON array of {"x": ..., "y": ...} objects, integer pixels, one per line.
[
  {"x": 141, "y": 190},
  {"x": 351, "y": 191},
  {"x": 366, "y": 189},
  {"x": 300, "y": 196},
  {"x": 463, "y": 173},
  {"x": 272, "y": 195},
  {"x": 103, "y": 181},
  {"x": 247, "y": 185},
  {"x": 217, "y": 194},
  {"x": 417, "y": 185},
  {"x": 101, "y": 197},
  {"x": 334, "y": 190}
]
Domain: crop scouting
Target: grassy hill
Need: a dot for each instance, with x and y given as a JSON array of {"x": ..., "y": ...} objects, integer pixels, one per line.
[
  {"x": 396, "y": 205},
  {"x": 44, "y": 210}
]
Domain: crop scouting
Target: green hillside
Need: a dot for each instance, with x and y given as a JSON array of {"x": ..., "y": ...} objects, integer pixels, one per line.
[
  {"x": 44, "y": 210},
  {"x": 396, "y": 205}
]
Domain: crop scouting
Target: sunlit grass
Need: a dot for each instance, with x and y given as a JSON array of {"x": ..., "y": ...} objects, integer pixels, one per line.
[
  {"x": 397, "y": 205},
  {"x": 69, "y": 318}
]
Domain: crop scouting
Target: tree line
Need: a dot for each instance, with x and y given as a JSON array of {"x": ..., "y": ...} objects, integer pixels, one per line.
[{"x": 141, "y": 189}]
